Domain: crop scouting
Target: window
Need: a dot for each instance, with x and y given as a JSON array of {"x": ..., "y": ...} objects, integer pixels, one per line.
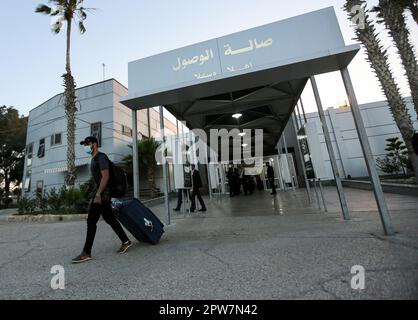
[
  {"x": 56, "y": 139},
  {"x": 96, "y": 131},
  {"x": 39, "y": 186},
  {"x": 29, "y": 154},
  {"x": 41, "y": 149},
  {"x": 26, "y": 186},
  {"x": 126, "y": 131}
]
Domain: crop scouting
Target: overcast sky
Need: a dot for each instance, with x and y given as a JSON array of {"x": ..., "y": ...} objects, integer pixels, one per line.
[{"x": 32, "y": 58}]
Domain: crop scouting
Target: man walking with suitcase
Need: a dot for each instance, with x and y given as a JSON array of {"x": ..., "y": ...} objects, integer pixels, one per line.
[
  {"x": 100, "y": 204},
  {"x": 196, "y": 185}
]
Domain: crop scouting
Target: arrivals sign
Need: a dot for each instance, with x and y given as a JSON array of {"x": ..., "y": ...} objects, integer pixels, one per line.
[{"x": 260, "y": 48}]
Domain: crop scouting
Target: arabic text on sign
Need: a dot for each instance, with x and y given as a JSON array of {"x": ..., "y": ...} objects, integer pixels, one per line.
[
  {"x": 254, "y": 45},
  {"x": 233, "y": 69},
  {"x": 204, "y": 75},
  {"x": 182, "y": 64}
]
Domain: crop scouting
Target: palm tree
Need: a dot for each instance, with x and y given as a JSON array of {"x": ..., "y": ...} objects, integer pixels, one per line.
[
  {"x": 378, "y": 59},
  {"x": 391, "y": 14},
  {"x": 67, "y": 11},
  {"x": 147, "y": 149},
  {"x": 411, "y": 5}
]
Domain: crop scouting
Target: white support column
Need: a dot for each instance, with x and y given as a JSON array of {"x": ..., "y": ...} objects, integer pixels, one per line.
[
  {"x": 209, "y": 180},
  {"x": 303, "y": 110},
  {"x": 316, "y": 194},
  {"x": 331, "y": 153},
  {"x": 368, "y": 156},
  {"x": 165, "y": 182},
  {"x": 308, "y": 189},
  {"x": 282, "y": 185},
  {"x": 321, "y": 189},
  {"x": 288, "y": 163},
  {"x": 135, "y": 160},
  {"x": 339, "y": 142}
]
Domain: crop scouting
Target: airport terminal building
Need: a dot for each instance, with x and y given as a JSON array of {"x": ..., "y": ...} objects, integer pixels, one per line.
[{"x": 248, "y": 80}]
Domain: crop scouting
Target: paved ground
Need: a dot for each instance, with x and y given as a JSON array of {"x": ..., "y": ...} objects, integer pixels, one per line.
[
  {"x": 255, "y": 247},
  {"x": 5, "y": 213}
]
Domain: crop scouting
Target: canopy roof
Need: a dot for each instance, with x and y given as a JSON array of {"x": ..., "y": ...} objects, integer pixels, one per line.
[{"x": 259, "y": 73}]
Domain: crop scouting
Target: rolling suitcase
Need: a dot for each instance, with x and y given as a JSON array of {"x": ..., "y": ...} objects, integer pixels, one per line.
[{"x": 139, "y": 220}]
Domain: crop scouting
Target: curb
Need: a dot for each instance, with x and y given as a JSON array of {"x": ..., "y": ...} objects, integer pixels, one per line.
[
  {"x": 47, "y": 218},
  {"x": 70, "y": 217},
  {"x": 403, "y": 189}
]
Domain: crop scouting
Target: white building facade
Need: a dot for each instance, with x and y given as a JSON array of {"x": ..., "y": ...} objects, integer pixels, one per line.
[
  {"x": 99, "y": 113},
  {"x": 379, "y": 124}
]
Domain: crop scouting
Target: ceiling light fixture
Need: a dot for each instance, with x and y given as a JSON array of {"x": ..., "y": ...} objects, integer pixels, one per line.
[{"x": 237, "y": 115}]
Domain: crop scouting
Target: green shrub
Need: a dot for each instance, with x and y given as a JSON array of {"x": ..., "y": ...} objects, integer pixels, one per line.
[
  {"x": 41, "y": 202},
  {"x": 87, "y": 188},
  {"x": 76, "y": 200},
  {"x": 63, "y": 201},
  {"x": 54, "y": 200},
  {"x": 26, "y": 205},
  {"x": 396, "y": 160}
]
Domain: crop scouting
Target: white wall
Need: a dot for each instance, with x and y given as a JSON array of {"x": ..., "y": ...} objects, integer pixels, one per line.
[
  {"x": 379, "y": 127},
  {"x": 49, "y": 118},
  {"x": 96, "y": 103}
]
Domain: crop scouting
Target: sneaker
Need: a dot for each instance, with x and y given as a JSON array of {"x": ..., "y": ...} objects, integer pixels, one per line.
[
  {"x": 125, "y": 247},
  {"x": 83, "y": 257},
  {"x": 176, "y": 209},
  {"x": 203, "y": 210}
]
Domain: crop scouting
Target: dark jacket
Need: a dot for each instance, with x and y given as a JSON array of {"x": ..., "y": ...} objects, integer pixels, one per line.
[
  {"x": 197, "y": 181},
  {"x": 270, "y": 172}
]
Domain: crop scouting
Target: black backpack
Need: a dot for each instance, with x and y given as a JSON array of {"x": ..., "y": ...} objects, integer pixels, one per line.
[{"x": 118, "y": 180}]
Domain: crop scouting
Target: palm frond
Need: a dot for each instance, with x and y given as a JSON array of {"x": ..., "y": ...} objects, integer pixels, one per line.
[
  {"x": 56, "y": 27},
  {"x": 379, "y": 14},
  {"x": 56, "y": 30},
  {"x": 61, "y": 3},
  {"x": 81, "y": 27},
  {"x": 56, "y": 11},
  {"x": 44, "y": 9},
  {"x": 82, "y": 14}
]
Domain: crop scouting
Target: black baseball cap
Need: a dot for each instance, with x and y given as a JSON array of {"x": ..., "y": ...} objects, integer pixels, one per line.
[{"x": 88, "y": 140}]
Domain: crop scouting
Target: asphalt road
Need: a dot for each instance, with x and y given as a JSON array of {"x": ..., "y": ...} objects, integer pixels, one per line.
[{"x": 283, "y": 250}]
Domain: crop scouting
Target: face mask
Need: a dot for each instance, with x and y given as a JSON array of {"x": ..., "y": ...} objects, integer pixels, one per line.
[{"x": 88, "y": 150}]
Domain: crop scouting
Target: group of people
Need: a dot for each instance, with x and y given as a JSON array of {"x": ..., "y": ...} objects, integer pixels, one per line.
[
  {"x": 194, "y": 192},
  {"x": 237, "y": 178}
]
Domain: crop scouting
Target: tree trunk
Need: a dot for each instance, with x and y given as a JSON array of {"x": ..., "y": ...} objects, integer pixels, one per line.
[
  {"x": 414, "y": 11},
  {"x": 6, "y": 188},
  {"x": 377, "y": 56},
  {"x": 70, "y": 112},
  {"x": 395, "y": 22},
  {"x": 413, "y": 158}
]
